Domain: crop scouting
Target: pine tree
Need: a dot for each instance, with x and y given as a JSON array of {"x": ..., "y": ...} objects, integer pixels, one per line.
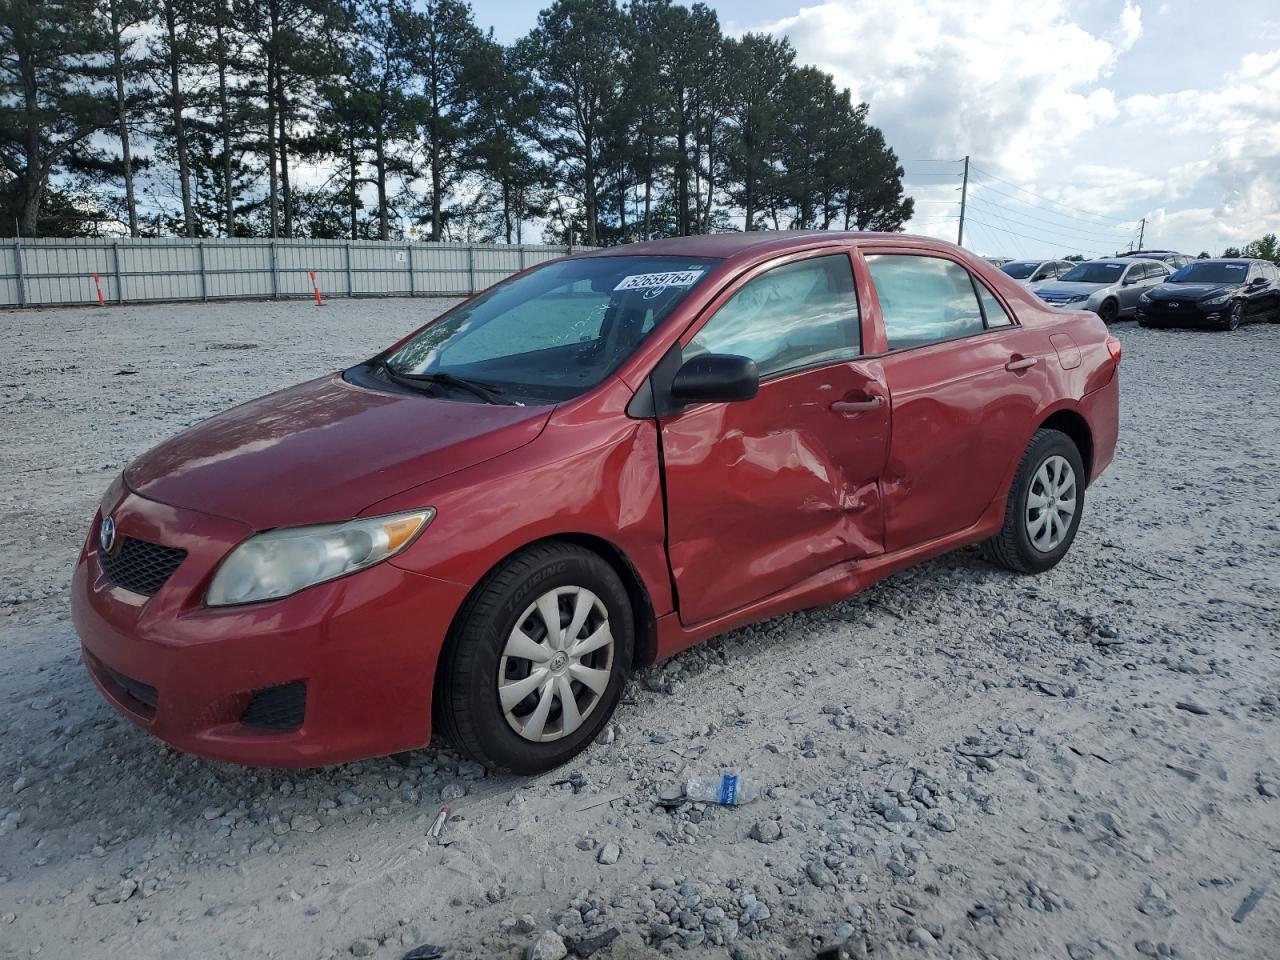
[
  {"x": 50, "y": 106},
  {"x": 574, "y": 57}
]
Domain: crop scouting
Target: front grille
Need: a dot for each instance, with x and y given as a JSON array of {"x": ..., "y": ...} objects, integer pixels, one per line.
[
  {"x": 140, "y": 566},
  {"x": 280, "y": 708},
  {"x": 142, "y": 697}
]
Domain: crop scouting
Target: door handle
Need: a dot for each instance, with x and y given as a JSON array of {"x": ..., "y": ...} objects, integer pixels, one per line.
[
  {"x": 857, "y": 406},
  {"x": 1021, "y": 363}
]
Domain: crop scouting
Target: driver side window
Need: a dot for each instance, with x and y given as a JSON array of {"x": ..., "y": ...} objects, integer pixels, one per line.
[{"x": 802, "y": 314}]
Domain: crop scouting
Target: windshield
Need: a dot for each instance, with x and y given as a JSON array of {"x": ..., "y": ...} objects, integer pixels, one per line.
[
  {"x": 1094, "y": 273},
  {"x": 1211, "y": 273},
  {"x": 557, "y": 331},
  {"x": 1021, "y": 269}
]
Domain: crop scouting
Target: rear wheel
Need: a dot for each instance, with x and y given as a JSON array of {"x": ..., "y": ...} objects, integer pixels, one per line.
[
  {"x": 1109, "y": 311},
  {"x": 537, "y": 661},
  {"x": 1044, "y": 506}
]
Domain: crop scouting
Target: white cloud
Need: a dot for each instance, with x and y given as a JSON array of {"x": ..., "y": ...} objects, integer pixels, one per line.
[
  {"x": 1061, "y": 107},
  {"x": 946, "y": 79}
]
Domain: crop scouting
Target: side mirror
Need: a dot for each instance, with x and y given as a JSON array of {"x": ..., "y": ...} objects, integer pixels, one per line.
[
  {"x": 1257, "y": 281},
  {"x": 715, "y": 378}
]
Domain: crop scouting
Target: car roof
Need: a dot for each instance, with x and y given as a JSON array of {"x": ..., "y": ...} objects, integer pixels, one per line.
[
  {"x": 1122, "y": 261},
  {"x": 1229, "y": 260},
  {"x": 726, "y": 245}
]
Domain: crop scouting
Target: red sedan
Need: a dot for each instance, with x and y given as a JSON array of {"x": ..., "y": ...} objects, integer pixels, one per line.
[{"x": 588, "y": 467}]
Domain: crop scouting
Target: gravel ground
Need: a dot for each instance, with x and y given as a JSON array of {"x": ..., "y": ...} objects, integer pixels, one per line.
[{"x": 960, "y": 762}]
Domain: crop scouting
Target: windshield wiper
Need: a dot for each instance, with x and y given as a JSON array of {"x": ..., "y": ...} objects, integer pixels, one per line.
[{"x": 486, "y": 392}]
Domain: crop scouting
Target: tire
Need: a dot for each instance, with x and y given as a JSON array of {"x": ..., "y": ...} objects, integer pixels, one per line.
[
  {"x": 1144, "y": 322},
  {"x": 1109, "y": 311},
  {"x": 1233, "y": 319},
  {"x": 1015, "y": 547},
  {"x": 482, "y": 656}
]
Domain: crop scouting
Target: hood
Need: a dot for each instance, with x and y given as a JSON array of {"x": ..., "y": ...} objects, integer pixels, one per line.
[
  {"x": 1057, "y": 288},
  {"x": 1190, "y": 291},
  {"x": 323, "y": 451}
]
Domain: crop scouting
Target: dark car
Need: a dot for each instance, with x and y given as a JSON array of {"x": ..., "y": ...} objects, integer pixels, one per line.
[{"x": 1220, "y": 294}]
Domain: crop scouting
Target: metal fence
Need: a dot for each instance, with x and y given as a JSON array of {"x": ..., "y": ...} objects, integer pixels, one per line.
[{"x": 48, "y": 272}]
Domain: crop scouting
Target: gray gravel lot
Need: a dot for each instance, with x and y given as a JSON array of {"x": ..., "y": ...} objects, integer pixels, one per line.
[{"x": 960, "y": 762}]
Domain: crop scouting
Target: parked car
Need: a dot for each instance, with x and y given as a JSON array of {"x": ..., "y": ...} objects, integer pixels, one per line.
[
  {"x": 1220, "y": 293},
  {"x": 1032, "y": 273},
  {"x": 1110, "y": 288},
  {"x": 485, "y": 528},
  {"x": 1170, "y": 258}
]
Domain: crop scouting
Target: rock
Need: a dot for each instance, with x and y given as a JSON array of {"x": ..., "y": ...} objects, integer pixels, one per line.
[
  {"x": 943, "y": 822},
  {"x": 526, "y": 923},
  {"x": 364, "y": 947},
  {"x": 21, "y": 784},
  {"x": 1078, "y": 951},
  {"x": 921, "y": 937},
  {"x": 452, "y": 791},
  {"x": 588, "y": 946},
  {"x": 896, "y": 814},
  {"x": 671, "y": 795},
  {"x": 609, "y": 854},
  {"x": 766, "y": 831},
  {"x": 1192, "y": 707},
  {"x": 304, "y": 824},
  {"x": 820, "y": 874},
  {"x": 548, "y": 946}
]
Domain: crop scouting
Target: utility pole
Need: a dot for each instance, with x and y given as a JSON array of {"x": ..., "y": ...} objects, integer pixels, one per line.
[
  {"x": 964, "y": 195},
  {"x": 1142, "y": 232}
]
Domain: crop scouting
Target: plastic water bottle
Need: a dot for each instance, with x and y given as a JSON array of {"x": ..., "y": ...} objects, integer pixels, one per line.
[{"x": 728, "y": 790}]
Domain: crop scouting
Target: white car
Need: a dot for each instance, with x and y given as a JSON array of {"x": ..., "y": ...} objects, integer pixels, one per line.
[
  {"x": 1032, "y": 273},
  {"x": 1110, "y": 288}
]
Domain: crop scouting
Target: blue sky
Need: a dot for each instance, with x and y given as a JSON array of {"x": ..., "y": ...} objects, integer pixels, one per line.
[{"x": 1081, "y": 116}]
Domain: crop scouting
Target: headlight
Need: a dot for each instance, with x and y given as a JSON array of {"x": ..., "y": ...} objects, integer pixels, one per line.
[
  {"x": 1145, "y": 298},
  {"x": 1077, "y": 298},
  {"x": 1216, "y": 301},
  {"x": 280, "y": 562}
]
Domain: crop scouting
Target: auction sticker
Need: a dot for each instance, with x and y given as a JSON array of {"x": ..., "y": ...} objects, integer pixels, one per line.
[{"x": 648, "y": 281}]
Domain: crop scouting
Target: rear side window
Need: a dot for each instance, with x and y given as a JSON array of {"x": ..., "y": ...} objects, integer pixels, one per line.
[
  {"x": 799, "y": 315},
  {"x": 924, "y": 299},
  {"x": 992, "y": 311}
]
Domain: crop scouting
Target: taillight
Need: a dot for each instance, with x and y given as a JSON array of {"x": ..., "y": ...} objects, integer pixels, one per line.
[{"x": 1113, "y": 347}]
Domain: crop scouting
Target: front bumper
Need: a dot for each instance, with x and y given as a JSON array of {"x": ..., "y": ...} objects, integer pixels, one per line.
[
  {"x": 364, "y": 647},
  {"x": 1188, "y": 313}
]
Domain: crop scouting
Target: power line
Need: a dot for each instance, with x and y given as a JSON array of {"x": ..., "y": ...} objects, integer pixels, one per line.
[
  {"x": 1025, "y": 236},
  {"x": 1052, "y": 225},
  {"x": 1049, "y": 210},
  {"x": 1105, "y": 216}
]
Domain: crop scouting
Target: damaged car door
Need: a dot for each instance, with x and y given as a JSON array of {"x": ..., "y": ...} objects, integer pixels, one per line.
[{"x": 765, "y": 492}]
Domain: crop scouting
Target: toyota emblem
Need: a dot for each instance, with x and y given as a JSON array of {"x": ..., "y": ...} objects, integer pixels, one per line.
[{"x": 107, "y": 535}]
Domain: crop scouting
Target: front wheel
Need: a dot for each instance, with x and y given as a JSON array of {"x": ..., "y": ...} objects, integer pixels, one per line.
[
  {"x": 1233, "y": 318},
  {"x": 1044, "y": 506},
  {"x": 536, "y": 663},
  {"x": 1109, "y": 311}
]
